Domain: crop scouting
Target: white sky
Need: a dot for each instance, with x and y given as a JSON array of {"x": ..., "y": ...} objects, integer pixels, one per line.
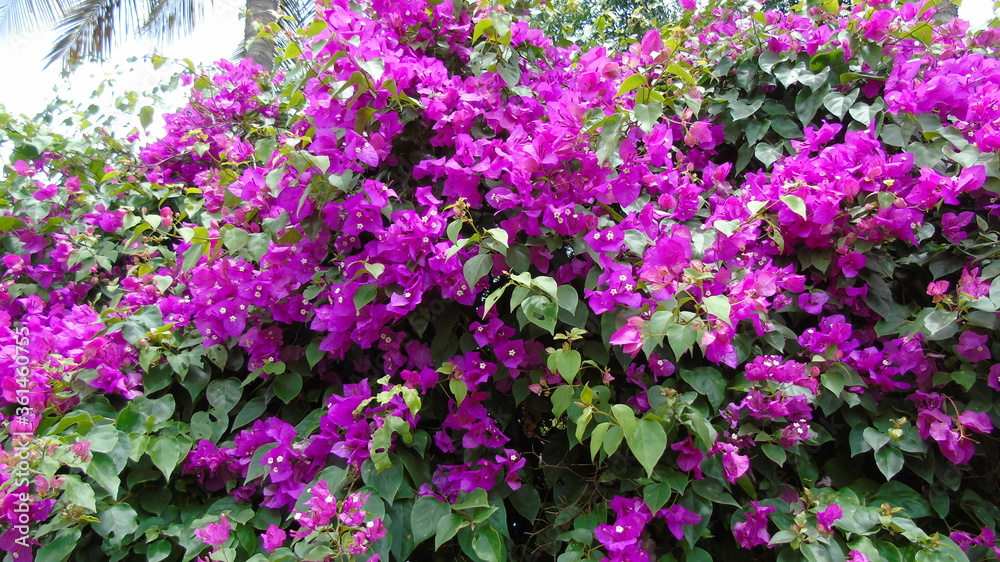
[{"x": 28, "y": 88}]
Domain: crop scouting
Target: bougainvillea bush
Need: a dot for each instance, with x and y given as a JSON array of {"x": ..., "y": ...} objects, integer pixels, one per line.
[{"x": 441, "y": 290}]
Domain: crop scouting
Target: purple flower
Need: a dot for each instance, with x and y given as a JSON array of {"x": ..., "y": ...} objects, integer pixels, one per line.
[
  {"x": 994, "y": 378},
  {"x": 677, "y": 516},
  {"x": 82, "y": 450},
  {"x": 826, "y": 518},
  {"x": 856, "y": 556},
  {"x": 274, "y": 537},
  {"x": 351, "y": 513},
  {"x": 363, "y": 538},
  {"x": 937, "y": 289},
  {"x": 753, "y": 531},
  {"x": 660, "y": 367},
  {"x": 630, "y": 336},
  {"x": 852, "y": 263},
  {"x": 623, "y": 534},
  {"x": 215, "y": 534},
  {"x": 689, "y": 457},
  {"x": 973, "y": 346},
  {"x": 969, "y": 283},
  {"x": 813, "y": 302},
  {"x": 952, "y": 225},
  {"x": 734, "y": 465},
  {"x": 976, "y": 421}
]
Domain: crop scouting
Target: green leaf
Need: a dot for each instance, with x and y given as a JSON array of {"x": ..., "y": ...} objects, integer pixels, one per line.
[
  {"x": 807, "y": 103},
  {"x": 119, "y": 521},
  {"x": 815, "y": 81},
  {"x": 292, "y": 51},
  {"x": 158, "y": 550},
  {"x": 526, "y": 501},
  {"x": 625, "y": 416},
  {"x": 740, "y": 109},
  {"x": 287, "y": 386},
  {"x": 875, "y": 438},
  {"x": 541, "y": 311},
  {"x": 192, "y": 255},
  {"x": 774, "y": 452},
  {"x": 447, "y": 526},
  {"x": 767, "y": 60},
  {"x": 223, "y": 395},
  {"x": 102, "y": 469},
  {"x": 166, "y": 453},
  {"x": 889, "y": 461},
  {"x": 766, "y": 153},
  {"x": 727, "y": 227},
  {"x": 386, "y": 481},
  {"x": 566, "y": 362},
  {"x": 718, "y": 306},
  {"x": 103, "y": 438},
  {"x": 146, "y": 116},
  {"x": 795, "y": 204},
  {"x": 582, "y": 422},
  {"x": 567, "y": 298},
  {"x": 481, "y": 27},
  {"x": 427, "y": 511},
  {"x": 486, "y": 543},
  {"x": 839, "y": 104},
  {"x": 510, "y": 73},
  {"x": 939, "y": 324},
  {"x": 681, "y": 338},
  {"x": 258, "y": 245},
  {"x": 493, "y": 297},
  {"x": 656, "y": 495},
  {"x": 597, "y": 438},
  {"x": 833, "y": 59},
  {"x": 79, "y": 493},
  {"x": 263, "y": 149},
  {"x": 678, "y": 69},
  {"x": 8, "y": 224},
  {"x": 364, "y": 295},
  {"x": 561, "y": 399},
  {"x": 862, "y": 112},
  {"x": 632, "y": 82},
  {"x": 59, "y": 548},
  {"x": 251, "y": 411},
  {"x": 459, "y": 389},
  {"x": 706, "y": 381},
  {"x": 235, "y": 239},
  {"x": 547, "y": 285},
  {"x": 613, "y": 439},
  {"x": 898, "y": 494},
  {"x": 703, "y": 430},
  {"x": 788, "y": 74},
  {"x": 786, "y": 127},
  {"x": 607, "y": 143},
  {"x": 476, "y": 268},
  {"x": 648, "y": 114}
]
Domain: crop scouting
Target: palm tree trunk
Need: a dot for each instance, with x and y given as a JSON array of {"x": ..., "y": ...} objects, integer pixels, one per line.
[{"x": 260, "y": 50}]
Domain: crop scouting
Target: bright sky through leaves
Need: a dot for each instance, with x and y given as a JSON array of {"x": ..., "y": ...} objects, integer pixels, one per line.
[{"x": 215, "y": 38}]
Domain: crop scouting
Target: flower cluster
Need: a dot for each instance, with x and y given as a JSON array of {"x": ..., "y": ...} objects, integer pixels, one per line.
[{"x": 625, "y": 538}]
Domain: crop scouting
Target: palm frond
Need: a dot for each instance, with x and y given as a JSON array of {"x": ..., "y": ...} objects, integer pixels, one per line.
[
  {"x": 90, "y": 28},
  {"x": 300, "y": 14},
  {"x": 21, "y": 17},
  {"x": 171, "y": 19}
]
